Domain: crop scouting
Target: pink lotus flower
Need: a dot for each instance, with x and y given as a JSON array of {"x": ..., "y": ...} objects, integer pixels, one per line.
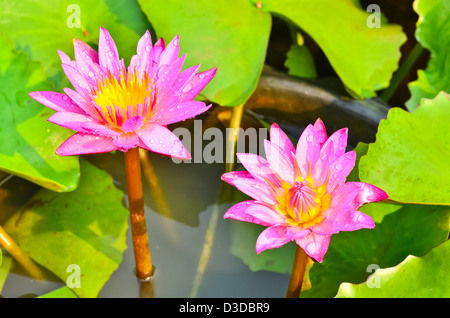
[
  {"x": 301, "y": 194},
  {"x": 113, "y": 107}
]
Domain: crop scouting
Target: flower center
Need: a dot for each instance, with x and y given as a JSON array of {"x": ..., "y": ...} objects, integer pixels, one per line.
[
  {"x": 304, "y": 204},
  {"x": 119, "y": 101}
]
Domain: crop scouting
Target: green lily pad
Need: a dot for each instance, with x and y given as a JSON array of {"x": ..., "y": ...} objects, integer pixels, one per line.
[
  {"x": 409, "y": 159},
  {"x": 300, "y": 62},
  {"x": 415, "y": 277},
  {"x": 215, "y": 33},
  {"x": 5, "y": 267},
  {"x": 234, "y": 35},
  {"x": 63, "y": 292},
  {"x": 352, "y": 256},
  {"x": 41, "y": 28},
  {"x": 27, "y": 141},
  {"x": 433, "y": 33},
  {"x": 363, "y": 57},
  {"x": 83, "y": 231}
]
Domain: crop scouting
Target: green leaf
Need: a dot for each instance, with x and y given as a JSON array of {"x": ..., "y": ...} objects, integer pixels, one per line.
[
  {"x": 86, "y": 227},
  {"x": 63, "y": 292},
  {"x": 234, "y": 37},
  {"x": 27, "y": 141},
  {"x": 433, "y": 32},
  {"x": 41, "y": 28},
  {"x": 408, "y": 230},
  {"x": 5, "y": 268},
  {"x": 214, "y": 33},
  {"x": 409, "y": 159},
  {"x": 300, "y": 62},
  {"x": 363, "y": 57},
  {"x": 415, "y": 277}
]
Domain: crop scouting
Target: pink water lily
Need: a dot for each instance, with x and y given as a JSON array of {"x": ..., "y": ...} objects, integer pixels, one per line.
[
  {"x": 118, "y": 108},
  {"x": 301, "y": 193}
]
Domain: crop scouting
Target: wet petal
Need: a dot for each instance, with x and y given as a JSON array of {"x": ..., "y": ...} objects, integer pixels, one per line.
[
  {"x": 133, "y": 124},
  {"x": 315, "y": 245},
  {"x": 280, "y": 161},
  {"x": 272, "y": 237},
  {"x": 170, "y": 53},
  {"x": 80, "y": 144},
  {"x": 161, "y": 140},
  {"x": 108, "y": 54},
  {"x": 56, "y": 101},
  {"x": 278, "y": 137},
  {"x": 254, "y": 188},
  {"x": 179, "y": 112},
  {"x": 237, "y": 212},
  {"x": 308, "y": 150}
]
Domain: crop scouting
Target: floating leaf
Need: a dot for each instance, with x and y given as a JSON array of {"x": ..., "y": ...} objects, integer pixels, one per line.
[
  {"x": 234, "y": 35},
  {"x": 63, "y": 292},
  {"x": 300, "y": 62},
  {"x": 409, "y": 159},
  {"x": 27, "y": 140},
  {"x": 86, "y": 228},
  {"x": 5, "y": 267},
  {"x": 41, "y": 28},
  {"x": 433, "y": 32},
  {"x": 415, "y": 277}
]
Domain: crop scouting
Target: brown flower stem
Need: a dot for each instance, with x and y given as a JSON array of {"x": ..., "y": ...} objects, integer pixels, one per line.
[
  {"x": 144, "y": 268},
  {"x": 19, "y": 255},
  {"x": 298, "y": 272}
]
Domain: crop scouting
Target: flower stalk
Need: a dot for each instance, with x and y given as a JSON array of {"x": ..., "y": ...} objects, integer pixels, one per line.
[
  {"x": 144, "y": 267},
  {"x": 18, "y": 254},
  {"x": 298, "y": 272}
]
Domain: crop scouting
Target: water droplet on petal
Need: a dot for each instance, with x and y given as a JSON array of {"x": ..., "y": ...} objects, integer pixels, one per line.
[
  {"x": 201, "y": 75},
  {"x": 310, "y": 138},
  {"x": 148, "y": 48},
  {"x": 187, "y": 88},
  {"x": 110, "y": 53},
  {"x": 65, "y": 97}
]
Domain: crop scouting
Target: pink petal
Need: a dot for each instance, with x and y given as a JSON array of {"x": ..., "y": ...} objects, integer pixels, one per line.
[
  {"x": 321, "y": 131},
  {"x": 258, "y": 167},
  {"x": 80, "y": 144},
  {"x": 133, "y": 124},
  {"x": 326, "y": 227},
  {"x": 254, "y": 188},
  {"x": 108, "y": 54},
  {"x": 265, "y": 214},
  {"x": 315, "y": 245},
  {"x": 56, "y": 101},
  {"x": 280, "y": 161},
  {"x": 65, "y": 59},
  {"x": 78, "y": 81},
  {"x": 355, "y": 220},
  {"x": 272, "y": 237},
  {"x": 278, "y": 137},
  {"x": 124, "y": 142},
  {"x": 355, "y": 194},
  {"x": 86, "y": 104},
  {"x": 196, "y": 84},
  {"x": 337, "y": 144},
  {"x": 184, "y": 77},
  {"x": 69, "y": 120},
  {"x": 87, "y": 62},
  {"x": 340, "y": 169},
  {"x": 179, "y": 112},
  {"x": 170, "y": 53},
  {"x": 143, "y": 61},
  {"x": 161, "y": 140},
  {"x": 237, "y": 212},
  {"x": 158, "y": 48},
  {"x": 308, "y": 150}
]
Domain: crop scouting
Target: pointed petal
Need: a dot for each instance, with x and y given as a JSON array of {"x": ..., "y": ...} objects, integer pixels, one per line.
[
  {"x": 158, "y": 48},
  {"x": 321, "y": 131},
  {"x": 258, "y": 167},
  {"x": 340, "y": 169},
  {"x": 80, "y": 144},
  {"x": 354, "y": 194},
  {"x": 170, "y": 53},
  {"x": 196, "y": 84},
  {"x": 315, "y": 245},
  {"x": 278, "y": 137},
  {"x": 176, "y": 113},
  {"x": 237, "y": 212},
  {"x": 280, "y": 161},
  {"x": 84, "y": 103},
  {"x": 252, "y": 187},
  {"x": 266, "y": 214},
  {"x": 108, "y": 54},
  {"x": 87, "y": 62},
  {"x": 78, "y": 81},
  {"x": 308, "y": 150},
  {"x": 65, "y": 59},
  {"x": 56, "y": 101},
  {"x": 272, "y": 237},
  {"x": 69, "y": 120},
  {"x": 161, "y": 140}
]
